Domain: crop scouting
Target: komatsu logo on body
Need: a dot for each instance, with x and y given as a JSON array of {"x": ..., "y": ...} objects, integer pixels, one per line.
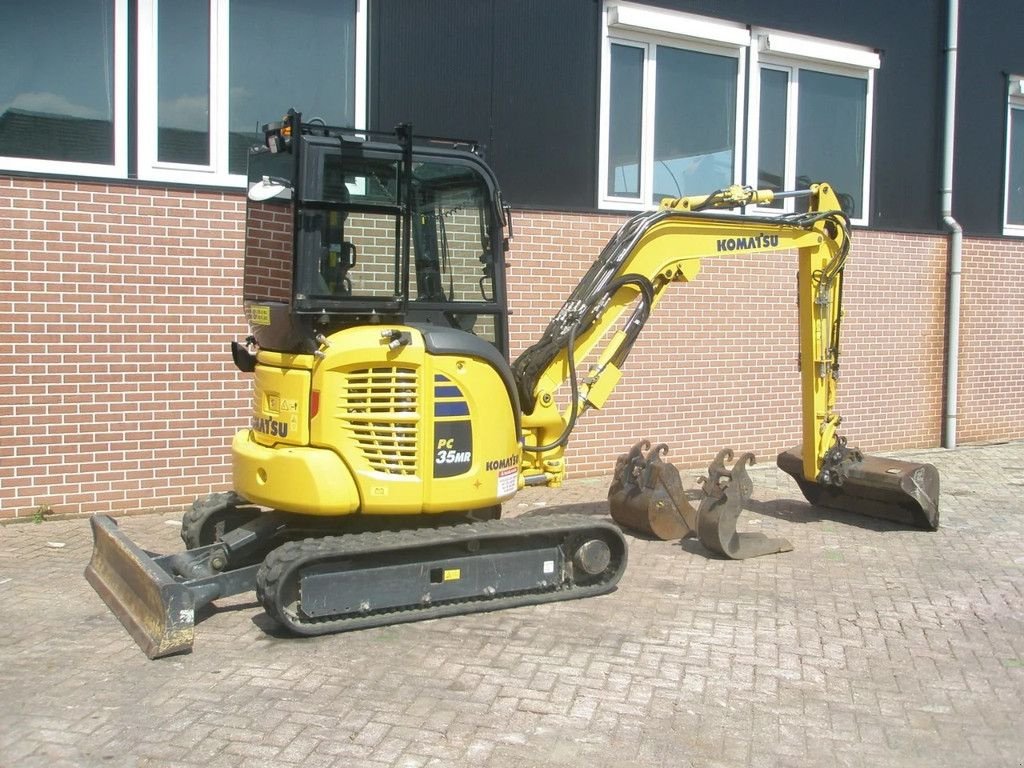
[
  {"x": 495, "y": 464},
  {"x": 270, "y": 427},
  {"x": 743, "y": 243}
]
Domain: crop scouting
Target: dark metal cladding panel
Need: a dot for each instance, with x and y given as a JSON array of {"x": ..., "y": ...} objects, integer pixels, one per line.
[
  {"x": 546, "y": 101},
  {"x": 431, "y": 64},
  {"x": 520, "y": 77}
]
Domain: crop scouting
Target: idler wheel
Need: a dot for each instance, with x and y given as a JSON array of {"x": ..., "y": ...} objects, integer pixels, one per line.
[{"x": 592, "y": 557}]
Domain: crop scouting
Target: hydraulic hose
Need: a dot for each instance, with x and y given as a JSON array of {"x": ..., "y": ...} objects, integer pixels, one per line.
[{"x": 646, "y": 302}]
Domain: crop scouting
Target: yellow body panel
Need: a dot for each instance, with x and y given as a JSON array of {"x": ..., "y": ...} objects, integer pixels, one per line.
[
  {"x": 280, "y": 409},
  {"x": 396, "y": 431},
  {"x": 306, "y": 480}
]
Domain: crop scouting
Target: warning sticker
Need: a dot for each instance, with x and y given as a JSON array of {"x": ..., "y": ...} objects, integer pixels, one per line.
[
  {"x": 508, "y": 482},
  {"x": 259, "y": 314}
]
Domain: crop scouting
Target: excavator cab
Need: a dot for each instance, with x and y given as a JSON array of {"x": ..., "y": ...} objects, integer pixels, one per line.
[{"x": 347, "y": 228}]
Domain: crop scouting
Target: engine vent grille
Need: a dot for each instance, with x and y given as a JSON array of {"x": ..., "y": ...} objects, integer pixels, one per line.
[{"x": 380, "y": 409}]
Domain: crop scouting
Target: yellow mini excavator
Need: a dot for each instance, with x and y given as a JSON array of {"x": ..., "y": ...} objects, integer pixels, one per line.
[{"x": 389, "y": 426}]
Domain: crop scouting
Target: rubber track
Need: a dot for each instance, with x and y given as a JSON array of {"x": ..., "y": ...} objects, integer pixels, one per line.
[
  {"x": 232, "y": 509},
  {"x": 286, "y": 562}
]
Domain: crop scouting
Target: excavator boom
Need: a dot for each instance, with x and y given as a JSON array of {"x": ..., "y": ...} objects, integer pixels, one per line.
[{"x": 653, "y": 250}]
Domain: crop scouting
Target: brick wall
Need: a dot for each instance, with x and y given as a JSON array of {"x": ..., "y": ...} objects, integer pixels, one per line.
[
  {"x": 990, "y": 398},
  {"x": 117, "y": 392}
]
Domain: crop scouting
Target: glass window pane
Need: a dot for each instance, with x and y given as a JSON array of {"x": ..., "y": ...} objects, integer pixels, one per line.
[
  {"x": 269, "y": 230},
  {"x": 1015, "y": 183},
  {"x": 183, "y": 81},
  {"x": 694, "y": 122},
  {"x": 625, "y": 105},
  {"x": 451, "y": 236},
  {"x": 57, "y": 87},
  {"x": 830, "y": 135},
  {"x": 304, "y": 59},
  {"x": 771, "y": 141}
]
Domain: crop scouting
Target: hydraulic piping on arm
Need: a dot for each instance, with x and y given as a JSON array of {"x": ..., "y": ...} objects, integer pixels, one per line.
[
  {"x": 602, "y": 318},
  {"x": 650, "y": 252}
]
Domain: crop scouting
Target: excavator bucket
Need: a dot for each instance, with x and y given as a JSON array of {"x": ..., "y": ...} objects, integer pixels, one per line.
[
  {"x": 900, "y": 491},
  {"x": 726, "y": 490},
  {"x": 647, "y": 495},
  {"x": 157, "y": 611}
]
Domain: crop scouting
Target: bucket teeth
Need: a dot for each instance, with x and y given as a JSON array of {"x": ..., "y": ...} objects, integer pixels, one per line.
[{"x": 647, "y": 495}]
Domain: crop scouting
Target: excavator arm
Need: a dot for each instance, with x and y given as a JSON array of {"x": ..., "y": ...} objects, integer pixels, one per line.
[
  {"x": 604, "y": 314},
  {"x": 649, "y": 253}
]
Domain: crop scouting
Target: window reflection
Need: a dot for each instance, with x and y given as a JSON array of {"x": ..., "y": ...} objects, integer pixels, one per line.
[
  {"x": 771, "y": 145},
  {"x": 315, "y": 38},
  {"x": 56, "y": 92},
  {"x": 269, "y": 235},
  {"x": 830, "y": 135},
  {"x": 694, "y": 122},
  {"x": 183, "y": 82},
  {"x": 1015, "y": 193},
  {"x": 625, "y": 121}
]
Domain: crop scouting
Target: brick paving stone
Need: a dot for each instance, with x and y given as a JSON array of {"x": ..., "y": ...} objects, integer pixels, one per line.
[{"x": 868, "y": 645}]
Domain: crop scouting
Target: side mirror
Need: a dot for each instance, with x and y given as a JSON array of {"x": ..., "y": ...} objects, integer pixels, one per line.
[
  {"x": 268, "y": 187},
  {"x": 243, "y": 356}
]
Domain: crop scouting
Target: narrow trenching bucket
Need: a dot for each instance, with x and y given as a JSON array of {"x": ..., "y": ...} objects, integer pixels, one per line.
[
  {"x": 157, "y": 611},
  {"x": 725, "y": 492},
  {"x": 899, "y": 491}
]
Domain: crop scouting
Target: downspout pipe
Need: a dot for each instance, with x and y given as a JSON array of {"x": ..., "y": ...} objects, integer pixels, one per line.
[{"x": 956, "y": 233}]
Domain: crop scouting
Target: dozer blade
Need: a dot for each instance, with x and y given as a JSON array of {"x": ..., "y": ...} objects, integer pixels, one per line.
[
  {"x": 647, "y": 495},
  {"x": 157, "y": 611},
  {"x": 900, "y": 491}
]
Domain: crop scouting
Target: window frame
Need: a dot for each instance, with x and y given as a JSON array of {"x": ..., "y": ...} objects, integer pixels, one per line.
[
  {"x": 1014, "y": 101},
  {"x": 119, "y": 168},
  {"x": 645, "y": 27},
  {"x": 792, "y": 53},
  {"x": 216, "y": 173},
  {"x": 648, "y": 28}
]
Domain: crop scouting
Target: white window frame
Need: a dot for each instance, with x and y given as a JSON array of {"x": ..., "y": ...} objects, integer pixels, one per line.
[
  {"x": 216, "y": 173},
  {"x": 754, "y": 130},
  {"x": 647, "y": 28},
  {"x": 794, "y": 53},
  {"x": 1015, "y": 101},
  {"x": 119, "y": 168}
]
